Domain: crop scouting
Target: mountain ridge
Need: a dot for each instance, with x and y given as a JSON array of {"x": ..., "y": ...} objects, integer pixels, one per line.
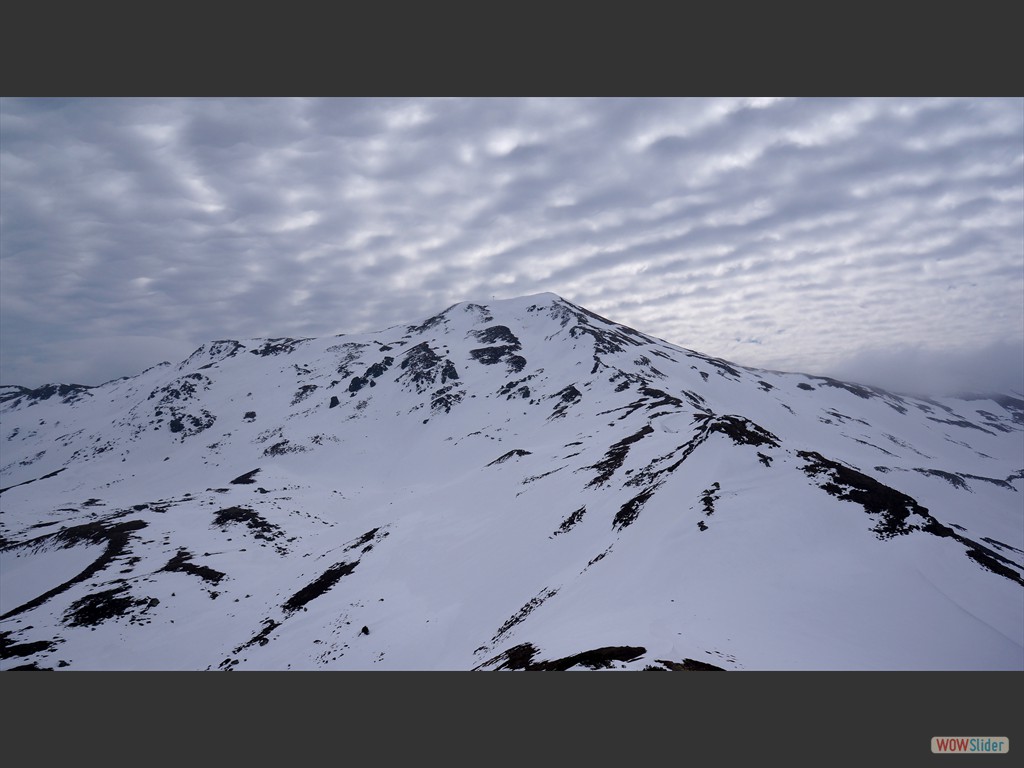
[
  {"x": 46, "y": 390},
  {"x": 518, "y": 484}
]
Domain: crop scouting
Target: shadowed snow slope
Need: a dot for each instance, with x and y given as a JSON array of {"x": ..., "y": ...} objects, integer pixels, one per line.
[{"x": 520, "y": 484}]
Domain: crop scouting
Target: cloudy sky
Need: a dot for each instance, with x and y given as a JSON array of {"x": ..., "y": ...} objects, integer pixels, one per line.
[{"x": 880, "y": 240}]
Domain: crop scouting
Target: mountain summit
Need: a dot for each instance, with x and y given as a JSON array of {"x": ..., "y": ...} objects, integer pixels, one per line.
[{"x": 516, "y": 484}]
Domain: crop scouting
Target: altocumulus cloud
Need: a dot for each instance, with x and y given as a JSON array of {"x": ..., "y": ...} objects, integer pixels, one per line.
[{"x": 833, "y": 236}]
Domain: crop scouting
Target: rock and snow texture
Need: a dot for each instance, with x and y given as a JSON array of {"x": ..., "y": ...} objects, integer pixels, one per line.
[{"x": 520, "y": 484}]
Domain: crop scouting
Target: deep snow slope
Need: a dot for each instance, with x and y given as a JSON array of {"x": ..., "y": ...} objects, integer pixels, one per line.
[{"x": 520, "y": 484}]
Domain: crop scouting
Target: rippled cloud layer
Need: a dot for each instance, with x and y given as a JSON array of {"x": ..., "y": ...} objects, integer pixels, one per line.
[{"x": 833, "y": 236}]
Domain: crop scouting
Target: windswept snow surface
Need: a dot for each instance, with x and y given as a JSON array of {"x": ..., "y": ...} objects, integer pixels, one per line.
[{"x": 510, "y": 485}]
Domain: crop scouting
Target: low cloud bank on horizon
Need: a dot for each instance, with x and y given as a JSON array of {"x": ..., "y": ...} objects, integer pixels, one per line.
[{"x": 879, "y": 240}]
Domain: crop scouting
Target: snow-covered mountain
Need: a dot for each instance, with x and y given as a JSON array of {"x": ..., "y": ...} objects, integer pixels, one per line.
[{"x": 520, "y": 484}]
